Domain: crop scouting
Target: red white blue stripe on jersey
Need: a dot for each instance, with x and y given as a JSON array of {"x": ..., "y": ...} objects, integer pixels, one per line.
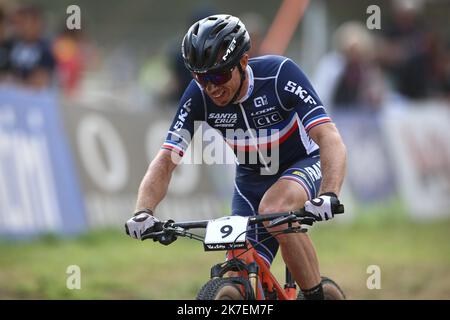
[
  {"x": 316, "y": 121},
  {"x": 169, "y": 145}
]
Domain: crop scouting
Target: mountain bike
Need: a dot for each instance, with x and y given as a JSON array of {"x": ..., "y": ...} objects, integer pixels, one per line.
[{"x": 244, "y": 275}]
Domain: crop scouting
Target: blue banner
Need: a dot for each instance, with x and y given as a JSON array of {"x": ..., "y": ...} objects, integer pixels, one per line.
[
  {"x": 370, "y": 168},
  {"x": 39, "y": 189}
]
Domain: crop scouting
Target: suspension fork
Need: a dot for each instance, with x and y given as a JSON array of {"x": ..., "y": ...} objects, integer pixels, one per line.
[
  {"x": 290, "y": 287},
  {"x": 249, "y": 268}
]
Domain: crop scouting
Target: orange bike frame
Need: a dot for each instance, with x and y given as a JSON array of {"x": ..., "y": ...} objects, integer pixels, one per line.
[{"x": 265, "y": 277}]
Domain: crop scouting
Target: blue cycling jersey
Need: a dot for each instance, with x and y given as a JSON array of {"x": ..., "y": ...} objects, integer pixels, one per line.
[{"x": 276, "y": 114}]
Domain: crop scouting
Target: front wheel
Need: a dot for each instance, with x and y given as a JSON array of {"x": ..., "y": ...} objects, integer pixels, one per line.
[
  {"x": 221, "y": 289},
  {"x": 331, "y": 290}
]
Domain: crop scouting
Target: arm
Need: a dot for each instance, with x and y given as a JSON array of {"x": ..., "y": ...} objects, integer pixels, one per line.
[
  {"x": 296, "y": 91},
  {"x": 155, "y": 183},
  {"x": 333, "y": 156},
  {"x": 152, "y": 190}
]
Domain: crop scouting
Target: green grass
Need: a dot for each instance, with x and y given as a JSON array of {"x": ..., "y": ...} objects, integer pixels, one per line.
[{"x": 414, "y": 261}]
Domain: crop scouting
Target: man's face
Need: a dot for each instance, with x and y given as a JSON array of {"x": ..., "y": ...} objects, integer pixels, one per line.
[{"x": 222, "y": 94}]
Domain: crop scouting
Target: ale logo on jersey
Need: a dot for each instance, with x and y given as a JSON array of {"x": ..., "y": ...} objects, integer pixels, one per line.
[{"x": 260, "y": 101}]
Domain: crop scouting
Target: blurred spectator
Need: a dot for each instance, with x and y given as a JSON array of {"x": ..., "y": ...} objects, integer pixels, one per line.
[
  {"x": 5, "y": 46},
  {"x": 408, "y": 50},
  {"x": 255, "y": 26},
  {"x": 68, "y": 51},
  {"x": 180, "y": 76},
  {"x": 32, "y": 61},
  {"x": 445, "y": 85},
  {"x": 348, "y": 77}
]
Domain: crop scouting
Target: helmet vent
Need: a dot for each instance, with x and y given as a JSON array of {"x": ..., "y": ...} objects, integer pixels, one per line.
[
  {"x": 207, "y": 53},
  {"x": 195, "y": 31},
  {"x": 218, "y": 29}
]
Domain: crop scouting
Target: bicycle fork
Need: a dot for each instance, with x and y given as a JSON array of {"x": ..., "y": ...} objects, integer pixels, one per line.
[
  {"x": 253, "y": 271},
  {"x": 240, "y": 268},
  {"x": 290, "y": 287}
]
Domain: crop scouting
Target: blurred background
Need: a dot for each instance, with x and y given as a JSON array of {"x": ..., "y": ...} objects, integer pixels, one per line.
[{"x": 88, "y": 90}]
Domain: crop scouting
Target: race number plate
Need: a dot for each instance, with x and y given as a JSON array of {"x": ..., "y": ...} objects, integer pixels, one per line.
[{"x": 226, "y": 233}]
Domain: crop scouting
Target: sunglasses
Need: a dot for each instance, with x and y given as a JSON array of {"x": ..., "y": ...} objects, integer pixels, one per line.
[{"x": 216, "y": 78}]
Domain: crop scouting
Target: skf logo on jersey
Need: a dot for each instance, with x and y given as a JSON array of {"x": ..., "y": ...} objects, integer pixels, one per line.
[
  {"x": 296, "y": 89},
  {"x": 260, "y": 101},
  {"x": 223, "y": 119},
  {"x": 184, "y": 111},
  {"x": 267, "y": 119},
  {"x": 230, "y": 49}
]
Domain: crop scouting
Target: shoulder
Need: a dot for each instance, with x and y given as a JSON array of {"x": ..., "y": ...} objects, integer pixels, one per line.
[
  {"x": 274, "y": 66},
  {"x": 193, "y": 96},
  {"x": 193, "y": 90},
  {"x": 267, "y": 66}
]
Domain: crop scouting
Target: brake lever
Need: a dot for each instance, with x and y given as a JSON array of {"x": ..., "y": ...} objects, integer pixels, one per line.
[
  {"x": 306, "y": 220},
  {"x": 281, "y": 220},
  {"x": 305, "y": 217},
  {"x": 151, "y": 235},
  {"x": 165, "y": 236}
]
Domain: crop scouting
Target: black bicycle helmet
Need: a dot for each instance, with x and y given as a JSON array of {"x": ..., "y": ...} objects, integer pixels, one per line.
[{"x": 215, "y": 43}]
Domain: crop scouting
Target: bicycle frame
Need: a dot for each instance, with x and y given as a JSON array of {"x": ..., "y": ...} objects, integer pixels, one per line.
[{"x": 265, "y": 282}]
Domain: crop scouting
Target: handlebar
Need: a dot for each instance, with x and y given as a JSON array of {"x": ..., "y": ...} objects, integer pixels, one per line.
[{"x": 170, "y": 228}]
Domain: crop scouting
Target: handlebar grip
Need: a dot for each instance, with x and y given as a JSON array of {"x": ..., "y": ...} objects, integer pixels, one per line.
[
  {"x": 336, "y": 206},
  {"x": 339, "y": 209},
  {"x": 151, "y": 235}
]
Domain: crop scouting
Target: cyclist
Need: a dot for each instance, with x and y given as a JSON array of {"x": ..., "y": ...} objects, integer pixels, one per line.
[{"x": 271, "y": 93}]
